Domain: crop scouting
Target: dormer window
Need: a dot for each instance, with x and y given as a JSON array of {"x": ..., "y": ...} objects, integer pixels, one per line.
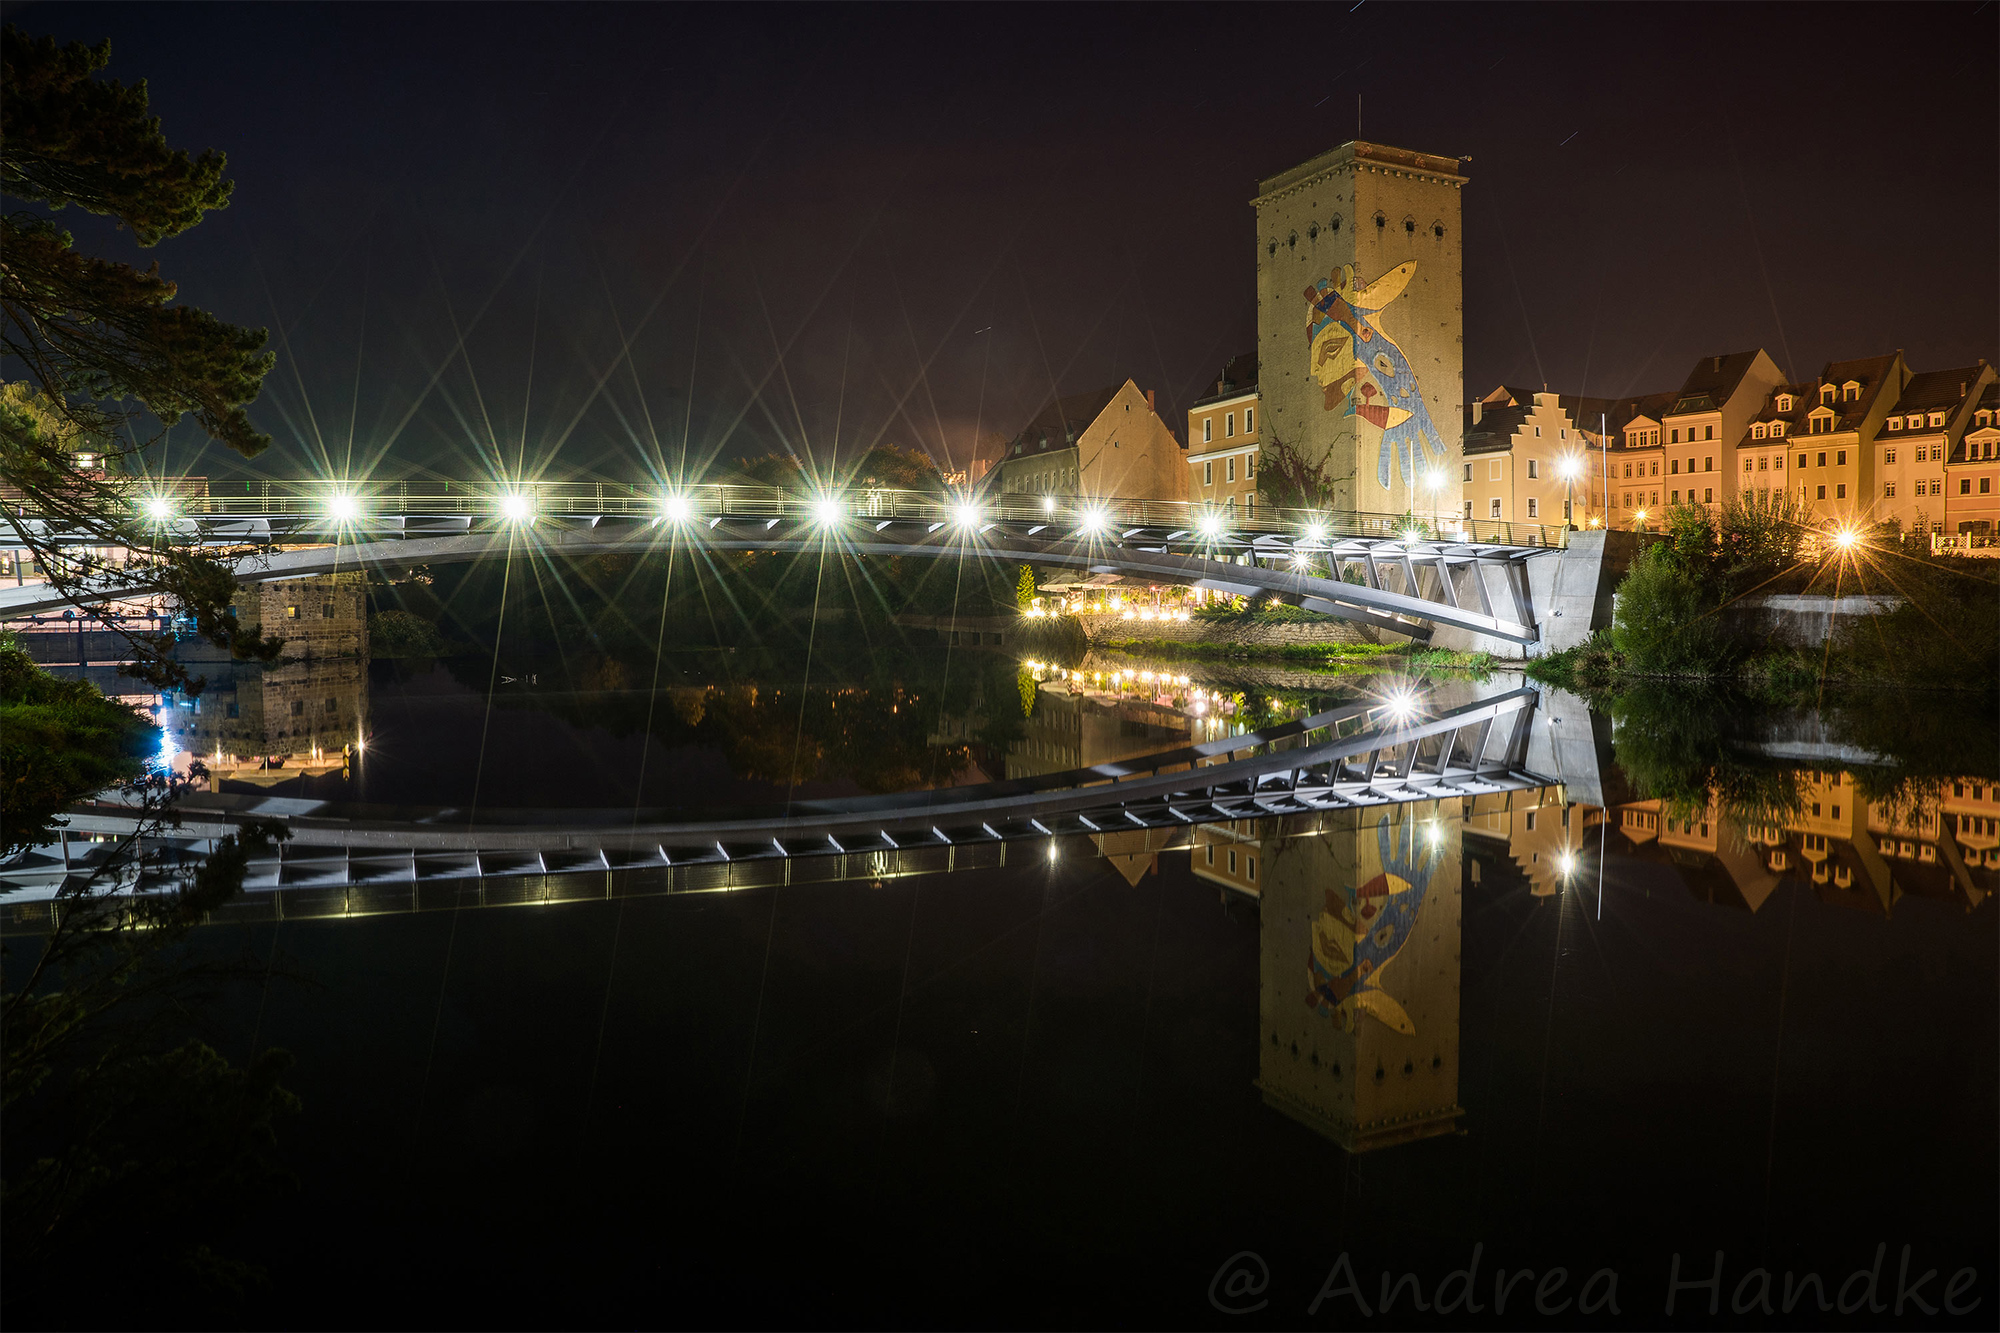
[
  {"x": 1895, "y": 423},
  {"x": 1937, "y": 420},
  {"x": 1784, "y": 402},
  {"x": 1757, "y": 432},
  {"x": 1983, "y": 418},
  {"x": 1916, "y": 421},
  {"x": 1826, "y": 394},
  {"x": 1777, "y": 429},
  {"x": 1850, "y": 392}
]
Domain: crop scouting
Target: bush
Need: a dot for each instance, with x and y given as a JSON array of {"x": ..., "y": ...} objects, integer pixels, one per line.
[
  {"x": 1663, "y": 624},
  {"x": 60, "y": 741},
  {"x": 401, "y": 634}
]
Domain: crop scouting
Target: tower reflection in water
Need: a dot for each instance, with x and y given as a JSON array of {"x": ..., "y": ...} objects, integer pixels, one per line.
[{"x": 1358, "y": 966}]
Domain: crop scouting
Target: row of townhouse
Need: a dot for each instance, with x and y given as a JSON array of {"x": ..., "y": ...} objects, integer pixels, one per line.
[{"x": 1866, "y": 441}]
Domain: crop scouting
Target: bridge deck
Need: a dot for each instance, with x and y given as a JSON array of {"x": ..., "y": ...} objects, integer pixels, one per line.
[{"x": 1305, "y": 768}]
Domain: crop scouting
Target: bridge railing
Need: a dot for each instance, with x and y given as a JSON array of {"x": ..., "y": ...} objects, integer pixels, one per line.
[{"x": 488, "y": 501}]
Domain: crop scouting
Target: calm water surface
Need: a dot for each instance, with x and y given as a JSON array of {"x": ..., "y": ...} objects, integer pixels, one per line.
[{"x": 1146, "y": 1081}]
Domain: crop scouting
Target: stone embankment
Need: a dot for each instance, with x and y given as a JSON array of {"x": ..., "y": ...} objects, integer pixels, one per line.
[
  {"x": 1786, "y": 621},
  {"x": 1250, "y": 635}
]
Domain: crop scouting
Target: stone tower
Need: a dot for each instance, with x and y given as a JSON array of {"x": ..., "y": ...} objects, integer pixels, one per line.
[
  {"x": 1360, "y": 324},
  {"x": 1359, "y": 972}
]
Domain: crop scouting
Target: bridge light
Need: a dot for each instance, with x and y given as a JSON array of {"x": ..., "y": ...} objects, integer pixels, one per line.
[
  {"x": 1567, "y": 864},
  {"x": 1402, "y": 705},
  {"x": 516, "y": 508},
  {"x": 1210, "y": 525},
  {"x": 826, "y": 510},
  {"x": 1092, "y": 520},
  {"x": 159, "y": 509},
  {"x": 967, "y": 515},
  {"x": 1315, "y": 534},
  {"x": 1412, "y": 535},
  {"x": 676, "y": 509},
  {"x": 1846, "y": 539},
  {"x": 343, "y": 508},
  {"x": 1048, "y": 504}
]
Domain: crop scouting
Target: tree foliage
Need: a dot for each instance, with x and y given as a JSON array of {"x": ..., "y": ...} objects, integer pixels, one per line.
[
  {"x": 60, "y": 740},
  {"x": 1293, "y": 478},
  {"x": 103, "y": 344}
]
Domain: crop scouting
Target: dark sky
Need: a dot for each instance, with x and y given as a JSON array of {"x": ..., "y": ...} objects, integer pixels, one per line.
[{"x": 589, "y": 236}]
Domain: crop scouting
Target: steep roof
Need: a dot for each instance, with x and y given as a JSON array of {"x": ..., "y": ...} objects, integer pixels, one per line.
[
  {"x": 1712, "y": 381},
  {"x": 1238, "y": 377},
  {"x": 1624, "y": 411},
  {"x": 1495, "y": 429},
  {"x": 1063, "y": 419},
  {"x": 1935, "y": 389}
]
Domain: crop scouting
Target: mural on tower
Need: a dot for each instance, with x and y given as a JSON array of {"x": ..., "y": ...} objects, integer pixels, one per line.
[
  {"x": 1362, "y": 371},
  {"x": 1360, "y": 931}
]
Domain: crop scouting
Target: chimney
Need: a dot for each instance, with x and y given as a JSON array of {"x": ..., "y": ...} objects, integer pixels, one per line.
[
  {"x": 1478, "y": 410},
  {"x": 1718, "y": 365},
  {"x": 1151, "y": 404}
]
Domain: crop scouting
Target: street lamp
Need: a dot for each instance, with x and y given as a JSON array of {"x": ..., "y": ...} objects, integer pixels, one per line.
[
  {"x": 516, "y": 508},
  {"x": 1092, "y": 520},
  {"x": 159, "y": 509},
  {"x": 343, "y": 508},
  {"x": 1569, "y": 468},
  {"x": 1434, "y": 479},
  {"x": 675, "y": 509},
  {"x": 826, "y": 510},
  {"x": 967, "y": 515}
]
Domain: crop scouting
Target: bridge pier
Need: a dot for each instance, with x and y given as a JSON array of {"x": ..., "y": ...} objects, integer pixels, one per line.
[{"x": 1568, "y": 592}]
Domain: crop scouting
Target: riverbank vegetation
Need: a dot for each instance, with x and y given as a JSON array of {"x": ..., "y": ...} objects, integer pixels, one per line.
[{"x": 1681, "y": 613}]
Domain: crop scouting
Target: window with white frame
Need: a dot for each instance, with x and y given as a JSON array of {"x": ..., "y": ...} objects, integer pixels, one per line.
[
  {"x": 1534, "y": 507},
  {"x": 1229, "y": 426},
  {"x": 1249, "y": 421},
  {"x": 1207, "y": 429},
  {"x": 1229, "y": 469},
  {"x": 1534, "y": 465},
  {"x": 1493, "y": 508},
  {"x": 1208, "y": 472}
]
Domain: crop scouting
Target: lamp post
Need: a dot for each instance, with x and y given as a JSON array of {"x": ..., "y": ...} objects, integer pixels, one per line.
[
  {"x": 1435, "y": 480},
  {"x": 1569, "y": 468}
]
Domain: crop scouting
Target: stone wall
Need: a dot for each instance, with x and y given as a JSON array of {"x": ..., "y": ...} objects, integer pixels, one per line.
[{"x": 1798, "y": 622}]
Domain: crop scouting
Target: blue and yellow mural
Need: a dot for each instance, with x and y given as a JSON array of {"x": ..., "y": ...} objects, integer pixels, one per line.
[
  {"x": 1362, "y": 371},
  {"x": 1360, "y": 932}
]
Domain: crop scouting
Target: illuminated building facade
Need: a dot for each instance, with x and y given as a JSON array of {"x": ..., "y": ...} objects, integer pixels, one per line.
[
  {"x": 1527, "y": 461},
  {"x": 1360, "y": 323},
  {"x": 1110, "y": 444},
  {"x": 1922, "y": 431},
  {"x": 1222, "y": 441},
  {"x": 1972, "y": 476}
]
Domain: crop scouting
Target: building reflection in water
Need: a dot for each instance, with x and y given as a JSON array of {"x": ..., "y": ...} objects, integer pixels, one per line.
[
  {"x": 266, "y": 725},
  {"x": 1359, "y": 912}
]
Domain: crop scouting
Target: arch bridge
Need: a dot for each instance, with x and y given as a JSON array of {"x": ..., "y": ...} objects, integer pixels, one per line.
[{"x": 1488, "y": 584}]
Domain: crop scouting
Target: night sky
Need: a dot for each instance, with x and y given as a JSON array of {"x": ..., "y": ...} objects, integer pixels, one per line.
[{"x": 593, "y": 238}]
